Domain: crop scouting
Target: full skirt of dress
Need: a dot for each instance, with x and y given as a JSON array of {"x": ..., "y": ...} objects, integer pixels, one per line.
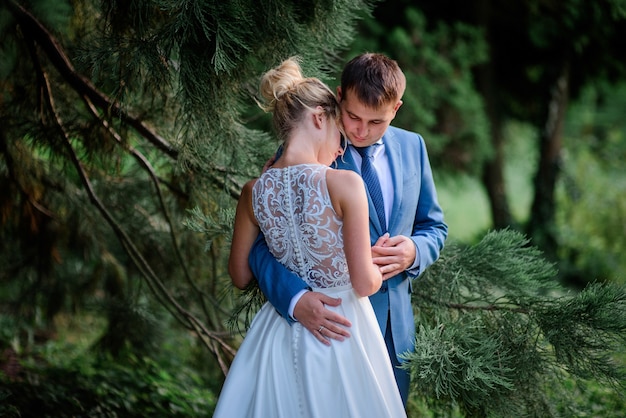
[{"x": 283, "y": 371}]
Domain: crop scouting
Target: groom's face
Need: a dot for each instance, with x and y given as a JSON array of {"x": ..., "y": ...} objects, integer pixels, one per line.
[{"x": 364, "y": 125}]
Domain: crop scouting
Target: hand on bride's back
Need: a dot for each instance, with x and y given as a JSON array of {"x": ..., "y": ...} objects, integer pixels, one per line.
[{"x": 312, "y": 313}]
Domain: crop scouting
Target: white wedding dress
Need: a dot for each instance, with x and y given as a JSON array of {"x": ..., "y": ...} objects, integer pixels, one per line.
[{"x": 281, "y": 370}]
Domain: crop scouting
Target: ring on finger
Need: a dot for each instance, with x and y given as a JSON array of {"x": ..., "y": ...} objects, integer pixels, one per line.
[{"x": 321, "y": 328}]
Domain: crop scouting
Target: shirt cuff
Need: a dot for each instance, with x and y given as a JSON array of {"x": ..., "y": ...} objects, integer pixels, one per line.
[{"x": 294, "y": 301}]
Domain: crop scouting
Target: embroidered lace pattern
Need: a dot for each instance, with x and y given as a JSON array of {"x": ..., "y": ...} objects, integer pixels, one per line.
[{"x": 302, "y": 230}]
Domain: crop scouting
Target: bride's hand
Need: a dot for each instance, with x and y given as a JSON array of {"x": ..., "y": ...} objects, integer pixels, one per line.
[
  {"x": 270, "y": 162},
  {"x": 324, "y": 324}
]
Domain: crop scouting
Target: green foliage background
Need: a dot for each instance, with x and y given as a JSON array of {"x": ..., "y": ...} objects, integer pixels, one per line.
[{"x": 119, "y": 173}]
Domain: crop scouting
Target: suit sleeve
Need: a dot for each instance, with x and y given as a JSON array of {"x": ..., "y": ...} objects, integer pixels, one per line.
[
  {"x": 278, "y": 284},
  {"x": 429, "y": 229}
]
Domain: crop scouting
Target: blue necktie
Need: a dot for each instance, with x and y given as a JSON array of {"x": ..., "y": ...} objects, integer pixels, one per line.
[{"x": 368, "y": 172}]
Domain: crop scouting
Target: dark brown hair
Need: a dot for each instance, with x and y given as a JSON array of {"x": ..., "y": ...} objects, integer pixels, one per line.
[{"x": 375, "y": 79}]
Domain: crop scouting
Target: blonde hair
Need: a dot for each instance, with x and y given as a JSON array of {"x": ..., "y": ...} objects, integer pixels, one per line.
[{"x": 288, "y": 95}]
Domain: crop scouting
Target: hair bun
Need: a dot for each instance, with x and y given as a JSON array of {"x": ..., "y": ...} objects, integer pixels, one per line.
[{"x": 279, "y": 81}]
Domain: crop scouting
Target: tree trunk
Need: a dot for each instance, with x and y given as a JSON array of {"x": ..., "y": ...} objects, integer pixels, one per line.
[
  {"x": 493, "y": 180},
  {"x": 541, "y": 228},
  {"x": 493, "y": 169}
]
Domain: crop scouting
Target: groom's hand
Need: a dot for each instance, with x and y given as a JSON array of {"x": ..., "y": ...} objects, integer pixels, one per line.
[
  {"x": 393, "y": 255},
  {"x": 323, "y": 323}
]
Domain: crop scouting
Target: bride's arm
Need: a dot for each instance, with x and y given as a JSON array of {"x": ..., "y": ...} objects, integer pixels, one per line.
[
  {"x": 245, "y": 232},
  {"x": 347, "y": 192}
]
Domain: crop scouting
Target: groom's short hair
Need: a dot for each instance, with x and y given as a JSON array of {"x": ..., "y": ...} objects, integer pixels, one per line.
[{"x": 376, "y": 79}]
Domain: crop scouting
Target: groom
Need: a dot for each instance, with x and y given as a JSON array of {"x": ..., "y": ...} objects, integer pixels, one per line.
[{"x": 407, "y": 231}]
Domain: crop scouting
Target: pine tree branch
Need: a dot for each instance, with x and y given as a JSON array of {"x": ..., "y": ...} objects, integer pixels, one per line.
[
  {"x": 234, "y": 188},
  {"x": 35, "y": 33},
  {"x": 31, "y": 27},
  {"x": 465, "y": 307},
  {"x": 85, "y": 88},
  {"x": 143, "y": 162},
  {"x": 11, "y": 168},
  {"x": 496, "y": 332},
  {"x": 187, "y": 319}
]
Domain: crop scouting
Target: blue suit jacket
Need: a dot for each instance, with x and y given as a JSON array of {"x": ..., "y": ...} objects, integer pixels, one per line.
[{"x": 415, "y": 213}]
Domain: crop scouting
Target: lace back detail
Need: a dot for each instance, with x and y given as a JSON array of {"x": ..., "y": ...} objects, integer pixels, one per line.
[{"x": 302, "y": 230}]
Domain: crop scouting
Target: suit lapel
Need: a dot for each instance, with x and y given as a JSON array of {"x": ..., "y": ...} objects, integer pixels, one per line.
[{"x": 394, "y": 155}]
